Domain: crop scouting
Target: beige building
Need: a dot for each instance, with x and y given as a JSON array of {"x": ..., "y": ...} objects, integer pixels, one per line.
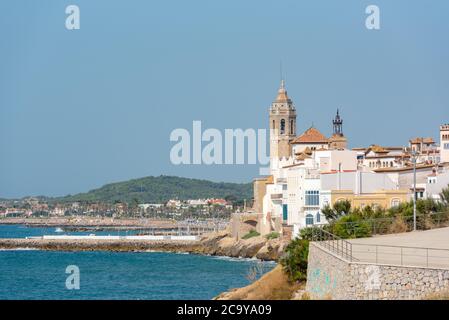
[{"x": 380, "y": 198}]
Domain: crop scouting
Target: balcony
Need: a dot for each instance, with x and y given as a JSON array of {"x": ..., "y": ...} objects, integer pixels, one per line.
[{"x": 276, "y": 196}]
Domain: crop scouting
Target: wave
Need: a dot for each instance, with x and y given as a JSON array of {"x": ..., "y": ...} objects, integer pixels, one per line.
[{"x": 242, "y": 259}]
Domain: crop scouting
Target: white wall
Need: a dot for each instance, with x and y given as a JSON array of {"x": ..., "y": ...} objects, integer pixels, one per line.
[
  {"x": 358, "y": 182},
  {"x": 433, "y": 190},
  {"x": 330, "y": 160}
]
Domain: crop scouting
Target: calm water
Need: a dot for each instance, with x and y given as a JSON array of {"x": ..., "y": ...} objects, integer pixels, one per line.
[
  {"x": 22, "y": 231},
  {"x": 35, "y": 274}
]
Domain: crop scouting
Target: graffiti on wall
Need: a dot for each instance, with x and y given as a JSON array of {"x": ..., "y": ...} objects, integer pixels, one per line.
[{"x": 321, "y": 282}]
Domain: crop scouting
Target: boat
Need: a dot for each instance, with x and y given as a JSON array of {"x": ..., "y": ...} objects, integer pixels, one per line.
[{"x": 59, "y": 230}]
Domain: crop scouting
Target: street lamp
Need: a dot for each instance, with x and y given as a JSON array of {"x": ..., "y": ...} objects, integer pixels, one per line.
[{"x": 414, "y": 157}]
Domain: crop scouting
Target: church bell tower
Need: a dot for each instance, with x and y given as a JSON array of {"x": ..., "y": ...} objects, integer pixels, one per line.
[
  {"x": 282, "y": 124},
  {"x": 338, "y": 141}
]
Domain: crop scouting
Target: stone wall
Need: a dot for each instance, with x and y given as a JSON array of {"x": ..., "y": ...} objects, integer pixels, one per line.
[
  {"x": 242, "y": 223},
  {"x": 331, "y": 277}
]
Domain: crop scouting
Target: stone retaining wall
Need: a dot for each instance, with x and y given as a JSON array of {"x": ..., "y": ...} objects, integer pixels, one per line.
[{"x": 331, "y": 277}]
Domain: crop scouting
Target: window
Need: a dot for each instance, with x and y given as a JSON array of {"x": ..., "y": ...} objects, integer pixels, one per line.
[
  {"x": 274, "y": 126},
  {"x": 284, "y": 212},
  {"x": 446, "y": 146},
  {"x": 309, "y": 219},
  {"x": 282, "y": 126},
  {"x": 318, "y": 217},
  {"x": 291, "y": 126},
  {"x": 395, "y": 203},
  {"x": 312, "y": 198}
]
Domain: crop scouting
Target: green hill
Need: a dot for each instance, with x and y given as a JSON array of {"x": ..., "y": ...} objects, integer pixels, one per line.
[{"x": 162, "y": 188}]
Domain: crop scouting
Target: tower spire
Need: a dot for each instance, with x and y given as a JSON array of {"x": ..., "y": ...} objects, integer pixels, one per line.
[
  {"x": 338, "y": 124},
  {"x": 282, "y": 93}
]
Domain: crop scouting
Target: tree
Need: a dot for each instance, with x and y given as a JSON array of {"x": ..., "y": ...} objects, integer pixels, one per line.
[
  {"x": 329, "y": 213},
  {"x": 340, "y": 208},
  {"x": 444, "y": 195}
]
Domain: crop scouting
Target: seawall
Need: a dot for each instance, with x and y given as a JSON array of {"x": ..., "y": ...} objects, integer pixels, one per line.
[{"x": 331, "y": 277}]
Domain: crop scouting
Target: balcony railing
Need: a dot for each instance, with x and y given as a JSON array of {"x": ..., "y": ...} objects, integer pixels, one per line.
[{"x": 276, "y": 196}]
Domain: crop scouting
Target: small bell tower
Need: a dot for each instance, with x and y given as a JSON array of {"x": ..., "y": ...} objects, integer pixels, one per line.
[{"x": 338, "y": 141}]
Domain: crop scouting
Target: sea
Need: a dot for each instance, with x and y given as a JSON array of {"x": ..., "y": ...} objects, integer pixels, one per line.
[{"x": 37, "y": 274}]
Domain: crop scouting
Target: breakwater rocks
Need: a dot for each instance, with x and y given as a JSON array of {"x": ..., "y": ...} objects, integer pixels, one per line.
[
  {"x": 213, "y": 244},
  {"x": 100, "y": 245},
  {"x": 221, "y": 244}
]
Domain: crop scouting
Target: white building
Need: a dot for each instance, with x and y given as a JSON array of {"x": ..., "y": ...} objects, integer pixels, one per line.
[{"x": 444, "y": 143}]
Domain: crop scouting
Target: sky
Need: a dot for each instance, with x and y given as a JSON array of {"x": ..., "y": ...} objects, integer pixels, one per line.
[{"x": 82, "y": 108}]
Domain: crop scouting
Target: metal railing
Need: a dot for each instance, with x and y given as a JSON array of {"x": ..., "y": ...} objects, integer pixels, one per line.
[
  {"x": 401, "y": 255},
  {"x": 333, "y": 243}
]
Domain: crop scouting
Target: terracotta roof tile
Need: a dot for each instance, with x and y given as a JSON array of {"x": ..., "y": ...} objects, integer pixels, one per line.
[
  {"x": 423, "y": 140},
  {"x": 311, "y": 135}
]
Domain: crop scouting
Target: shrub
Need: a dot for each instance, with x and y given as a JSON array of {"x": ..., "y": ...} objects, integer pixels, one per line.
[
  {"x": 350, "y": 227},
  {"x": 251, "y": 234},
  {"x": 272, "y": 235},
  {"x": 295, "y": 258},
  {"x": 398, "y": 225},
  {"x": 444, "y": 195},
  {"x": 308, "y": 232}
]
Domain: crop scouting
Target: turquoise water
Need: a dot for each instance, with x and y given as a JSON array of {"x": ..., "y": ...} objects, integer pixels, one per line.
[
  {"x": 21, "y": 231},
  {"x": 36, "y": 274}
]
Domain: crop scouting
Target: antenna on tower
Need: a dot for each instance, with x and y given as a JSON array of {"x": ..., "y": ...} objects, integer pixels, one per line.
[{"x": 280, "y": 71}]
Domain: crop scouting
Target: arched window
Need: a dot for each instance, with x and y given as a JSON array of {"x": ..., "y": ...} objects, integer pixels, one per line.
[
  {"x": 318, "y": 217},
  {"x": 309, "y": 219},
  {"x": 274, "y": 125},
  {"x": 291, "y": 126},
  {"x": 282, "y": 126},
  {"x": 395, "y": 203}
]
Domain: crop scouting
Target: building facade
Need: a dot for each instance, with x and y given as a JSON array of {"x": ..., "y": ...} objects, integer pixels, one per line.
[{"x": 310, "y": 171}]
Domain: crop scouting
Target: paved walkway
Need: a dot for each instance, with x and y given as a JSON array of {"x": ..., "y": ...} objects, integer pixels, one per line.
[{"x": 411, "y": 248}]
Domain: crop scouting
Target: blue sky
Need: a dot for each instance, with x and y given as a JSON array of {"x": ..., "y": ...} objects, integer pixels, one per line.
[{"x": 82, "y": 108}]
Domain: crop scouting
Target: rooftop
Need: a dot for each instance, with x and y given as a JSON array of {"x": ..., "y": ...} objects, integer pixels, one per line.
[{"x": 311, "y": 135}]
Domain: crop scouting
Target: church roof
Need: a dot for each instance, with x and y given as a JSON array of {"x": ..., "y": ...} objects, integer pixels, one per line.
[
  {"x": 422, "y": 140},
  {"x": 311, "y": 135},
  {"x": 337, "y": 137}
]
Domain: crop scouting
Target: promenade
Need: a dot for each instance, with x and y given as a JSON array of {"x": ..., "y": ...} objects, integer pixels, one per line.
[{"x": 419, "y": 248}]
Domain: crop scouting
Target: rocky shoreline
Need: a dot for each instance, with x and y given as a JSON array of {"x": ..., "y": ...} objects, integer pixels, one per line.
[{"x": 217, "y": 244}]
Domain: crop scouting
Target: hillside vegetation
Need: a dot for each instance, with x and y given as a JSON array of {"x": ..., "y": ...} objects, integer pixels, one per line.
[{"x": 162, "y": 188}]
